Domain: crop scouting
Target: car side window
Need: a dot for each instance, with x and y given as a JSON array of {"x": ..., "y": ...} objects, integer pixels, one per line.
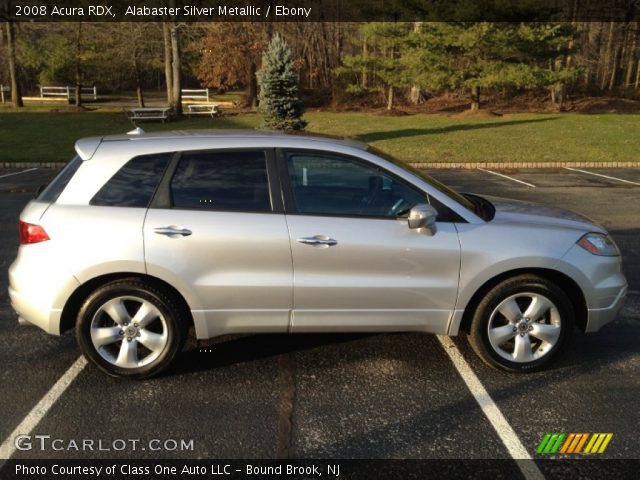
[
  {"x": 337, "y": 185},
  {"x": 222, "y": 180},
  {"x": 52, "y": 191},
  {"x": 135, "y": 183}
]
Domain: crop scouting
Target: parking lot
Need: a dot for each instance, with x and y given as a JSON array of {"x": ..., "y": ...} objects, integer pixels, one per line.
[{"x": 339, "y": 396}]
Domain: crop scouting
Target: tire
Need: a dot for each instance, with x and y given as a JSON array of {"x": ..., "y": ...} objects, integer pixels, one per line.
[
  {"x": 131, "y": 328},
  {"x": 519, "y": 343}
]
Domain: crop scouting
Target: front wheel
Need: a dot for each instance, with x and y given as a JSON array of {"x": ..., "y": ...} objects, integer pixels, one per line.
[
  {"x": 131, "y": 329},
  {"x": 522, "y": 324}
]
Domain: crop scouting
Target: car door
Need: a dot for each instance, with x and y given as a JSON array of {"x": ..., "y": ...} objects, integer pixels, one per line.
[
  {"x": 357, "y": 265},
  {"x": 217, "y": 233}
]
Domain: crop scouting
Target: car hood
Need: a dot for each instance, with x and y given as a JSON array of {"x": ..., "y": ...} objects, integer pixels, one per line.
[{"x": 517, "y": 211}]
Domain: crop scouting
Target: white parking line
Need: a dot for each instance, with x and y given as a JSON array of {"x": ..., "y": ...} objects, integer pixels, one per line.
[
  {"x": 38, "y": 412},
  {"x": 517, "y": 451},
  {"x": 601, "y": 175},
  {"x": 18, "y": 173},
  {"x": 508, "y": 177}
]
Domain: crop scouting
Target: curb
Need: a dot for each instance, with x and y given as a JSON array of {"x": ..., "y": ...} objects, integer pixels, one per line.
[
  {"x": 32, "y": 164},
  {"x": 516, "y": 165},
  {"x": 424, "y": 165}
]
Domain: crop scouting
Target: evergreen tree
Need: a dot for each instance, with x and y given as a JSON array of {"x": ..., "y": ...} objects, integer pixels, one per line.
[{"x": 279, "y": 101}]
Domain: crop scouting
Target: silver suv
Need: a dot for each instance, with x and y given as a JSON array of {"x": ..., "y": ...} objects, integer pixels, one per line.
[{"x": 143, "y": 236}]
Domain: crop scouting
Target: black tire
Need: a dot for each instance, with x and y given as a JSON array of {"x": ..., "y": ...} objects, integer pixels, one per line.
[
  {"x": 518, "y": 289},
  {"x": 169, "y": 322}
]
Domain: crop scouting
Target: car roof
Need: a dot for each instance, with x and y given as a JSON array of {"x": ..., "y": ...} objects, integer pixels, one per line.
[{"x": 86, "y": 147}]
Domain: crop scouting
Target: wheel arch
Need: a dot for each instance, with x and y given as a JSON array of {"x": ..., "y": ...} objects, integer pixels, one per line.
[
  {"x": 76, "y": 299},
  {"x": 566, "y": 283}
]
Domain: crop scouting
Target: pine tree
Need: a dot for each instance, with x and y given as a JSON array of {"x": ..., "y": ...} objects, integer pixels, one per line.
[{"x": 279, "y": 101}]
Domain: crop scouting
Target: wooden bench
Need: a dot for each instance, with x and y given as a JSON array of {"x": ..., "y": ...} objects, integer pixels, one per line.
[
  {"x": 212, "y": 110},
  {"x": 195, "y": 94},
  {"x": 149, "y": 113}
]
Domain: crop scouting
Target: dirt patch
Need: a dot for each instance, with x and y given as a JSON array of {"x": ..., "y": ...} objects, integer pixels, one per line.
[
  {"x": 604, "y": 105},
  {"x": 394, "y": 112},
  {"x": 458, "y": 104},
  {"x": 482, "y": 113}
]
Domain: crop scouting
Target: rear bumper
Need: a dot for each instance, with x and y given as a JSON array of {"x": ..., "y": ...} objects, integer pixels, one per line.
[
  {"x": 598, "y": 317},
  {"x": 37, "y": 295},
  {"x": 35, "y": 313}
]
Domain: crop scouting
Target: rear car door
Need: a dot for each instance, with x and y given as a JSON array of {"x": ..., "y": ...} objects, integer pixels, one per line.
[
  {"x": 217, "y": 232},
  {"x": 357, "y": 265}
]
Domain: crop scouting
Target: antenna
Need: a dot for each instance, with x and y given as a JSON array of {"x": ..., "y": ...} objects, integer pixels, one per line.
[{"x": 136, "y": 131}]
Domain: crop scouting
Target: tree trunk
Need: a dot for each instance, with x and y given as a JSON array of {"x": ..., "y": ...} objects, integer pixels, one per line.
[
  {"x": 390, "y": 98},
  {"x": 614, "y": 70},
  {"x": 78, "y": 100},
  {"x": 416, "y": 96},
  {"x": 176, "y": 67},
  {"x": 475, "y": 98},
  {"x": 365, "y": 73},
  {"x": 168, "y": 74},
  {"x": 136, "y": 71},
  {"x": 607, "y": 59},
  {"x": 16, "y": 95},
  {"x": 252, "y": 81},
  {"x": 631, "y": 58}
]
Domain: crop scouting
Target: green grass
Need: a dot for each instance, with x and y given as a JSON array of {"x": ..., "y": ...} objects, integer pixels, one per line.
[{"x": 37, "y": 135}]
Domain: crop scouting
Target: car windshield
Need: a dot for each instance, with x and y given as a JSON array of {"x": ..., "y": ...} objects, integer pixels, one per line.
[{"x": 458, "y": 197}]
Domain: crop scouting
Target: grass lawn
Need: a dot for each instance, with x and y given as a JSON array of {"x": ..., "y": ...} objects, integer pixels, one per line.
[{"x": 36, "y": 135}]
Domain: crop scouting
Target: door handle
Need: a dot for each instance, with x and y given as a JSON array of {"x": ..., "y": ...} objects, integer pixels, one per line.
[
  {"x": 318, "y": 240},
  {"x": 171, "y": 230}
]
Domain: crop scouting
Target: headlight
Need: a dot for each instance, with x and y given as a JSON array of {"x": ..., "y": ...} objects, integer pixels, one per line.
[{"x": 599, "y": 244}]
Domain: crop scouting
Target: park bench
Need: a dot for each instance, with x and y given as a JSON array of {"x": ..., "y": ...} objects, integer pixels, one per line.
[
  {"x": 149, "y": 113},
  {"x": 212, "y": 110},
  {"x": 195, "y": 94}
]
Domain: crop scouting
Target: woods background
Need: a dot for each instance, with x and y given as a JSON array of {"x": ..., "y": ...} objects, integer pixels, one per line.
[{"x": 340, "y": 65}]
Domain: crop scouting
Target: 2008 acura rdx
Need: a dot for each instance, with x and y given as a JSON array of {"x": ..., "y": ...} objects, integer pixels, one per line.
[{"x": 142, "y": 236}]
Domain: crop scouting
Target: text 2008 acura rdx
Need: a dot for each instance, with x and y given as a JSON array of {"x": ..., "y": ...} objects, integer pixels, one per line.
[{"x": 142, "y": 236}]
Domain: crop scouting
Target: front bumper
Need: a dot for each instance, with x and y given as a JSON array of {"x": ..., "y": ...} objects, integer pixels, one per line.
[{"x": 598, "y": 317}]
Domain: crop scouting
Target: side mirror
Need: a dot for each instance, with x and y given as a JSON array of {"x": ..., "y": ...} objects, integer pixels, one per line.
[
  {"x": 40, "y": 189},
  {"x": 423, "y": 218}
]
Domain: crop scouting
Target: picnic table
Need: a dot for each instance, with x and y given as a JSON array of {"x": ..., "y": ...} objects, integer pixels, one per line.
[
  {"x": 212, "y": 110},
  {"x": 149, "y": 113}
]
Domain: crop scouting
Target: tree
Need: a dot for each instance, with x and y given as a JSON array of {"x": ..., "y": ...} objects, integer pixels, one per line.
[
  {"x": 485, "y": 55},
  {"x": 383, "y": 57},
  {"x": 16, "y": 95},
  {"x": 230, "y": 55},
  {"x": 278, "y": 80}
]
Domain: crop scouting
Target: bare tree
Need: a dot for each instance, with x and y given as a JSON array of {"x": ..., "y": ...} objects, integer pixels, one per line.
[
  {"x": 16, "y": 95},
  {"x": 168, "y": 72}
]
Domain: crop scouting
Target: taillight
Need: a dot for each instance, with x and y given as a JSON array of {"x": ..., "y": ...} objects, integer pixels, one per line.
[{"x": 30, "y": 233}]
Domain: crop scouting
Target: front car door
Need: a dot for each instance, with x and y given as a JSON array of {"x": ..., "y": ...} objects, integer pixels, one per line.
[
  {"x": 357, "y": 265},
  {"x": 216, "y": 231}
]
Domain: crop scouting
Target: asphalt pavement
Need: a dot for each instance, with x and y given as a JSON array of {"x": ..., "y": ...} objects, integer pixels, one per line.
[{"x": 341, "y": 396}]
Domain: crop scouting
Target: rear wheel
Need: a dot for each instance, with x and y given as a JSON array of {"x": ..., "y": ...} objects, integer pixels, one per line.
[
  {"x": 522, "y": 324},
  {"x": 130, "y": 328}
]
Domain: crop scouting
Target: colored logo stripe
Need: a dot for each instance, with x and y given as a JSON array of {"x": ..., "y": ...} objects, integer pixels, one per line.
[
  {"x": 574, "y": 443},
  {"x": 550, "y": 443},
  {"x": 555, "y": 443},
  {"x": 598, "y": 442}
]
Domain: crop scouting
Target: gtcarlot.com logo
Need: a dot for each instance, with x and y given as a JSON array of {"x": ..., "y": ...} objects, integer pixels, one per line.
[{"x": 574, "y": 443}]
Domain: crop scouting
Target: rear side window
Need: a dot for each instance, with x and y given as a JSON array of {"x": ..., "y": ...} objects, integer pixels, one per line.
[
  {"x": 222, "y": 181},
  {"x": 51, "y": 193},
  {"x": 134, "y": 184}
]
